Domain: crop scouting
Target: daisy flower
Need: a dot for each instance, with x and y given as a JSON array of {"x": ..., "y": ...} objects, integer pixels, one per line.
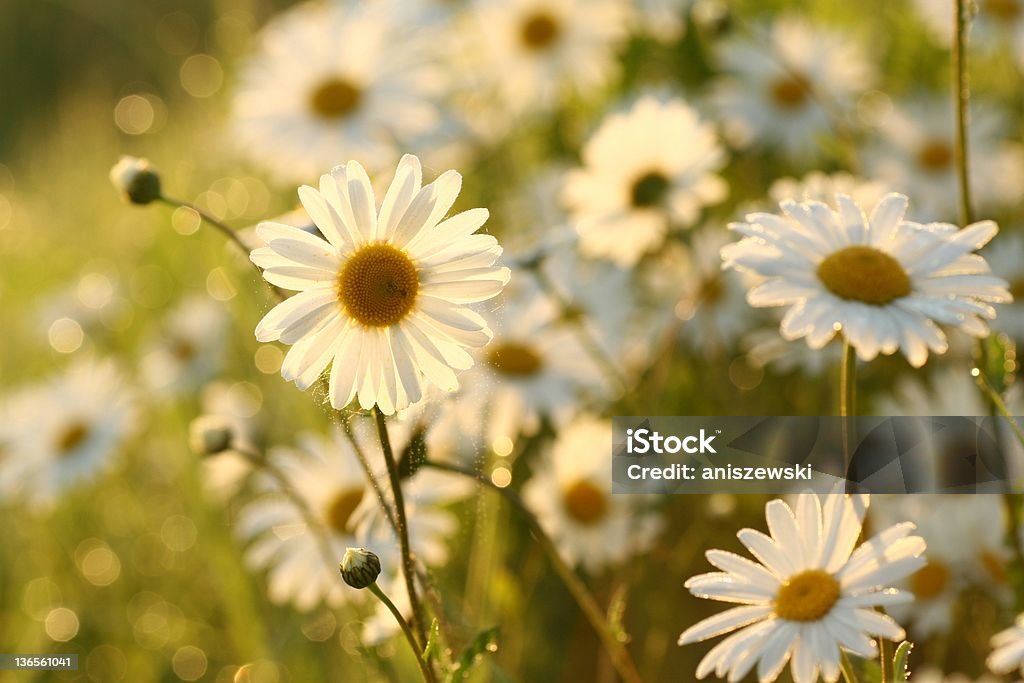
[
  {"x": 1008, "y": 263},
  {"x": 187, "y": 352},
  {"x": 882, "y": 280},
  {"x": 996, "y": 23},
  {"x": 542, "y": 49},
  {"x": 663, "y": 20},
  {"x": 76, "y": 422},
  {"x": 224, "y": 474},
  {"x": 570, "y": 493},
  {"x": 783, "y": 99},
  {"x": 385, "y": 296},
  {"x": 964, "y": 534},
  {"x": 809, "y": 594},
  {"x": 336, "y": 80},
  {"x": 1008, "y": 649},
  {"x": 644, "y": 171},
  {"x": 916, "y": 151}
]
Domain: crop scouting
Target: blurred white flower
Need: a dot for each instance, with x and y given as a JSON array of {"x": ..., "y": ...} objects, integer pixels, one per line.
[
  {"x": 996, "y": 24},
  {"x": 69, "y": 428},
  {"x": 916, "y": 152},
  {"x": 570, "y": 493},
  {"x": 385, "y": 296},
  {"x": 935, "y": 676},
  {"x": 810, "y": 594},
  {"x": 645, "y": 171},
  {"x": 532, "y": 53},
  {"x": 664, "y": 20},
  {"x": 337, "y": 80},
  {"x": 823, "y": 187},
  {"x": 883, "y": 281},
  {"x": 786, "y": 85},
  {"x": 707, "y": 304},
  {"x": 1008, "y": 649},
  {"x": 224, "y": 474},
  {"x": 766, "y": 347},
  {"x": 189, "y": 348},
  {"x": 1007, "y": 261},
  {"x": 965, "y": 536}
]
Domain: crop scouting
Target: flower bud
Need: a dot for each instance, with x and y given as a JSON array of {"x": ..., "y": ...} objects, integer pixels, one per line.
[
  {"x": 359, "y": 567},
  {"x": 136, "y": 179},
  {"x": 210, "y": 434}
]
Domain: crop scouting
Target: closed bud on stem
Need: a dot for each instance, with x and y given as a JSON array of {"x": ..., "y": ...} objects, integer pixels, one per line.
[
  {"x": 210, "y": 434},
  {"x": 136, "y": 180},
  {"x": 360, "y": 567}
]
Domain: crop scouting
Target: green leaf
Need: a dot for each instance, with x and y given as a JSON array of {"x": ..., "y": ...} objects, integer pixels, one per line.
[
  {"x": 435, "y": 634},
  {"x": 899, "y": 662},
  {"x": 485, "y": 642}
]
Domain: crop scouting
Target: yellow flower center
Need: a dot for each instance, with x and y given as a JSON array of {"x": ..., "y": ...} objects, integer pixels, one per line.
[
  {"x": 712, "y": 290},
  {"x": 994, "y": 565},
  {"x": 71, "y": 437},
  {"x": 335, "y": 98},
  {"x": 585, "y": 503},
  {"x": 790, "y": 91},
  {"x": 339, "y": 510},
  {"x": 935, "y": 155},
  {"x": 866, "y": 274},
  {"x": 540, "y": 31},
  {"x": 1017, "y": 289},
  {"x": 808, "y": 596},
  {"x": 1007, "y": 10},
  {"x": 378, "y": 285},
  {"x": 183, "y": 350},
  {"x": 649, "y": 190},
  {"x": 514, "y": 359},
  {"x": 930, "y": 580}
]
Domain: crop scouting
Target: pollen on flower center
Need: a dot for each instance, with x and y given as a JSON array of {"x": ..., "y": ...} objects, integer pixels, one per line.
[
  {"x": 585, "y": 503},
  {"x": 935, "y": 155},
  {"x": 514, "y": 359},
  {"x": 335, "y": 98},
  {"x": 340, "y": 508},
  {"x": 790, "y": 92},
  {"x": 71, "y": 437},
  {"x": 378, "y": 285},
  {"x": 930, "y": 580},
  {"x": 808, "y": 596},
  {"x": 649, "y": 189},
  {"x": 540, "y": 31},
  {"x": 862, "y": 273}
]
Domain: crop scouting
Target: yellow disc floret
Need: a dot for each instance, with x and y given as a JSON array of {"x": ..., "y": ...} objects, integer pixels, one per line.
[
  {"x": 378, "y": 285},
  {"x": 862, "y": 273},
  {"x": 540, "y": 31},
  {"x": 340, "y": 508},
  {"x": 808, "y": 596},
  {"x": 335, "y": 99},
  {"x": 585, "y": 503},
  {"x": 514, "y": 359},
  {"x": 929, "y": 581}
]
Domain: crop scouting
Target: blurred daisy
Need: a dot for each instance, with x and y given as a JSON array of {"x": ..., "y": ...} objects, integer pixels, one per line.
[
  {"x": 385, "y": 296},
  {"x": 765, "y": 347},
  {"x": 916, "y": 152},
  {"x": 302, "y": 560},
  {"x": 543, "y": 49},
  {"x": 995, "y": 23},
  {"x": 965, "y": 536},
  {"x": 189, "y": 348},
  {"x": 936, "y": 676},
  {"x": 1007, "y": 261},
  {"x": 224, "y": 474},
  {"x": 823, "y": 187},
  {"x": 810, "y": 594},
  {"x": 708, "y": 304},
  {"x": 785, "y": 98},
  {"x": 71, "y": 426},
  {"x": 883, "y": 281},
  {"x": 570, "y": 492},
  {"x": 336, "y": 80},
  {"x": 644, "y": 171},
  {"x": 664, "y": 20},
  {"x": 1008, "y": 649}
]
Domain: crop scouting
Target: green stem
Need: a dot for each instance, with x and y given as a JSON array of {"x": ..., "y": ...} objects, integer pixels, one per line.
[
  {"x": 847, "y": 395},
  {"x": 408, "y": 565},
  {"x": 425, "y": 671},
  {"x": 228, "y": 232},
  {"x": 962, "y": 94},
  {"x": 998, "y": 403},
  {"x": 617, "y": 652},
  {"x": 846, "y": 666},
  {"x": 885, "y": 658}
]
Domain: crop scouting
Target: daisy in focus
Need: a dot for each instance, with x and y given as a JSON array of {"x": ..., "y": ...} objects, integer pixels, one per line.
[
  {"x": 78, "y": 420},
  {"x": 916, "y": 151},
  {"x": 810, "y": 595},
  {"x": 570, "y": 493},
  {"x": 543, "y": 49},
  {"x": 883, "y": 281},
  {"x": 384, "y": 300},
  {"x": 336, "y": 80},
  {"x": 645, "y": 171},
  {"x": 785, "y": 99}
]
